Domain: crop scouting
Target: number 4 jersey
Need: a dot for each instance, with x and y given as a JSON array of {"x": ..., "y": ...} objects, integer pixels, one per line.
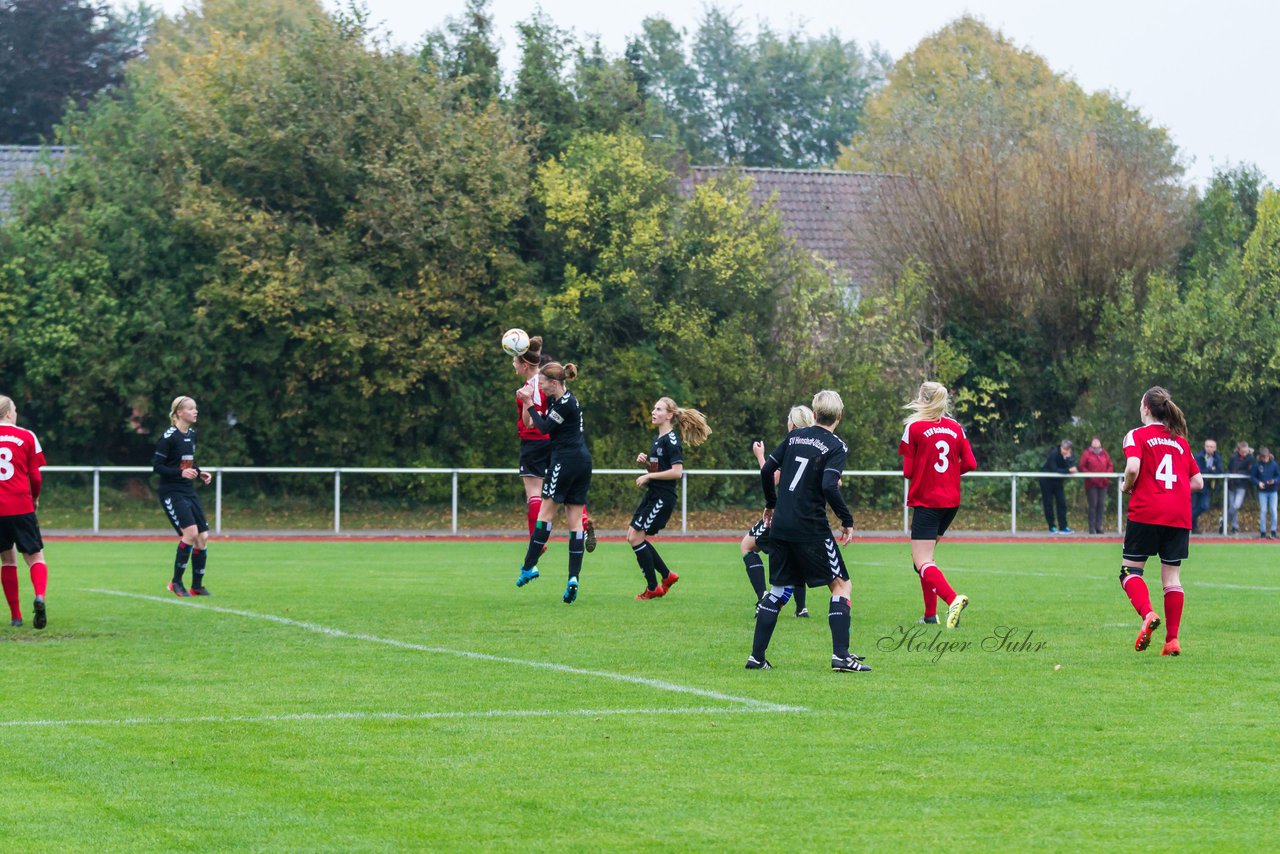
[
  {"x": 1162, "y": 492},
  {"x": 934, "y": 455}
]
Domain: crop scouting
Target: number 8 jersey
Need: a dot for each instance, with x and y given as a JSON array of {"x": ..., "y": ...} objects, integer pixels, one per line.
[
  {"x": 1162, "y": 492},
  {"x": 934, "y": 455}
]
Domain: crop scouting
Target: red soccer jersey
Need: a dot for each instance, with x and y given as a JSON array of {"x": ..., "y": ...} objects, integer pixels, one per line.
[
  {"x": 1162, "y": 493},
  {"x": 20, "y": 460},
  {"x": 540, "y": 405},
  {"x": 934, "y": 455}
]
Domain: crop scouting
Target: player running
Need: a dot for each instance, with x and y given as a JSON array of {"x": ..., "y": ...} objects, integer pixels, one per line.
[
  {"x": 757, "y": 539},
  {"x": 569, "y": 475},
  {"x": 175, "y": 462},
  {"x": 535, "y": 446},
  {"x": 21, "y": 458},
  {"x": 1160, "y": 474},
  {"x": 935, "y": 452},
  {"x": 801, "y": 548},
  {"x": 665, "y": 462}
]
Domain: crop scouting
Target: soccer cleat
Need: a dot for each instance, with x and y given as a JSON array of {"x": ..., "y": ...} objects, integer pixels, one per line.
[
  {"x": 590, "y": 542},
  {"x": 41, "y": 620},
  {"x": 1066, "y": 531},
  {"x": 527, "y": 575},
  {"x": 1053, "y": 529},
  {"x": 803, "y": 613},
  {"x": 958, "y": 604},
  {"x": 655, "y": 593},
  {"x": 16, "y": 622},
  {"x": 1149, "y": 625},
  {"x": 849, "y": 664},
  {"x": 200, "y": 591},
  {"x": 1171, "y": 648},
  {"x": 754, "y": 663},
  {"x": 571, "y": 590},
  {"x": 176, "y": 588},
  {"x": 927, "y": 621},
  {"x": 669, "y": 582}
]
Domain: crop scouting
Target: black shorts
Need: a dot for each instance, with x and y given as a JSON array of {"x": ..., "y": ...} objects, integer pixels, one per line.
[
  {"x": 654, "y": 512},
  {"x": 760, "y": 532},
  {"x": 930, "y": 523},
  {"x": 813, "y": 563},
  {"x": 183, "y": 510},
  {"x": 568, "y": 481},
  {"x": 22, "y": 531},
  {"x": 1143, "y": 539},
  {"x": 534, "y": 456}
]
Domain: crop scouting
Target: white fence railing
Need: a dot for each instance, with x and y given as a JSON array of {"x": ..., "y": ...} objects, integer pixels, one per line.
[{"x": 337, "y": 473}]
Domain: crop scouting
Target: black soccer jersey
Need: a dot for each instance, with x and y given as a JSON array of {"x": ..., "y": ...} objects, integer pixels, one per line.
[
  {"x": 563, "y": 423},
  {"x": 174, "y": 452},
  {"x": 665, "y": 452},
  {"x": 811, "y": 460}
]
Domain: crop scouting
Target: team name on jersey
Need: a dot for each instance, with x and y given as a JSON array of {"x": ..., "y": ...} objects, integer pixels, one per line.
[
  {"x": 1160, "y": 440},
  {"x": 932, "y": 431},
  {"x": 14, "y": 439},
  {"x": 807, "y": 440}
]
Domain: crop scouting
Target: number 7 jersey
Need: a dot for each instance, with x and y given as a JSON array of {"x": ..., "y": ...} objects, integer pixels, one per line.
[
  {"x": 934, "y": 455},
  {"x": 1162, "y": 492}
]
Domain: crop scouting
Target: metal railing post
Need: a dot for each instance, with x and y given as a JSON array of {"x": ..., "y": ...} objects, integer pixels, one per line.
[
  {"x": 1226, "y": 490},
  {"x": 1013, "y": 504},
  {"x": 217, "y": 501},
  {"x": 453, "y": 516},
  {"x": 684, "y": 503},
  {"x": 96, "y": 492},
  {"x": 337, "y": 501}
]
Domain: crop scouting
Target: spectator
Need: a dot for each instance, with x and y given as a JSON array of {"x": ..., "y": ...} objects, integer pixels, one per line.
[
  {"x": 1210, "y": 462},
  {"x": 1266, "y": 476},
  {"x": 1053, "y": 490},
  {"x": 1240, "y": 463},
  {"x": 1096, "y": 459}
]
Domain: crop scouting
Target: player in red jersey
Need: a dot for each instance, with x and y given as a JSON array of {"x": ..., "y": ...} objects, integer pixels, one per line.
[
  {"x": 1160, "y": 474},
  {"x": 535, "y": 446},
  {"x": 21, "y": 458},
  {"x": 935, "y": 452}
]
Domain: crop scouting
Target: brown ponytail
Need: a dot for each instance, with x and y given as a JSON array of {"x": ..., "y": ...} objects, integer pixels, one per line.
[
  {"x": 1162, "y": 408},
  {"x": 692, "y": 423},
  {"x": 558, "y": 372},
  {"x": 533, "y": 356}
]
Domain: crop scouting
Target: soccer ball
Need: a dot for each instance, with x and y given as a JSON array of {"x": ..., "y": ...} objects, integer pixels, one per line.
[{"x": 515, "y": 342}]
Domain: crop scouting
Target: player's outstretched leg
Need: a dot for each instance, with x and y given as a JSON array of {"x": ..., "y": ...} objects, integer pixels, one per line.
[{"x": 537, "y": 542}]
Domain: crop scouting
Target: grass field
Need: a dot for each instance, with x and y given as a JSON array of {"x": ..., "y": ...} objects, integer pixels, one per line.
[{"x": 352, "y": 696}]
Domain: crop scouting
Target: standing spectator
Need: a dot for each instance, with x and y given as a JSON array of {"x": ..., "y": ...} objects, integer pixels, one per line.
[
  {"x": 1210, "y": 462},
  {"x": 1053, "y": 490},
  {"x": 1241, "y": 462},
  {"x": 1096, "y": 459},
  {"x": 1266, "y": 476}
]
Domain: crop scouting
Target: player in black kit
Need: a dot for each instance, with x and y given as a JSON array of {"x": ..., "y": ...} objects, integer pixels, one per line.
[
  {"x": 568, "y": 475},
  {"x": 175, "y": 462},
  {"x": 801, "y": 548},
  {"x": 665, "y": 463}
]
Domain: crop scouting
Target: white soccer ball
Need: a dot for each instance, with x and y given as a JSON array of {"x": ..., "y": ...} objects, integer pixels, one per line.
[{"x": 515, "y": 342}]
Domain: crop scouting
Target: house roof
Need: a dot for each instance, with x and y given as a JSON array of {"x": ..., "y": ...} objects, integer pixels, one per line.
[
  {"x": 17, "y": 161},
  {"x": 830, "y": 213}
]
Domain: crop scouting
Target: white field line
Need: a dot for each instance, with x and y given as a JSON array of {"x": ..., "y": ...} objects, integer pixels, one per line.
[
  {"x": 755, "y": 705},
  {"x": 382, "y": 716},
  {"x": 1215, "y": 584}
]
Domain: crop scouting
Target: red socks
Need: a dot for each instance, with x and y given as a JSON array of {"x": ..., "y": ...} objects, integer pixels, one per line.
[
  {"x": 535, "y": 507},
  {"x": 1136, "y": 589},
  {"x": 931, "y": 575},
  {"x": 1172, "y": 612},
  {"x": 39, "y": 577},
  {"x": 930, "y": 598},
  {"x": 9, "y": 578}
]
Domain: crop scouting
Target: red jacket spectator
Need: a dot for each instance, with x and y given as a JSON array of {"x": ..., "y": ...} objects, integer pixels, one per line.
[{"x": 1096, "y": 461}]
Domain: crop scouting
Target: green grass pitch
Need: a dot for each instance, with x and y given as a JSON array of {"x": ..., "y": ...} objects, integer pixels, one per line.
[{"x": 352, "y": 696}]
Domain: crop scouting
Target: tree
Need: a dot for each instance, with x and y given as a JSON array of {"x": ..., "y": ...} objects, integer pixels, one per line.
[
  {"x": 465, "y": 51},
  {"x": 1028, "y": 201},
  {"x": 57, "y": 51}
]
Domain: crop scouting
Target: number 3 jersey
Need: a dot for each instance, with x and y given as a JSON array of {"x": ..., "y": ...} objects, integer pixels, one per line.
[
  {"x": 20, "y": 460},
  {"x": 1162, "y": 492},
  {"x": 934, "y": 455}
]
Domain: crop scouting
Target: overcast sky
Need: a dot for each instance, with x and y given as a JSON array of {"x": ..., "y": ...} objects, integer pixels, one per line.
[{"x": 1197, "y": 67}]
